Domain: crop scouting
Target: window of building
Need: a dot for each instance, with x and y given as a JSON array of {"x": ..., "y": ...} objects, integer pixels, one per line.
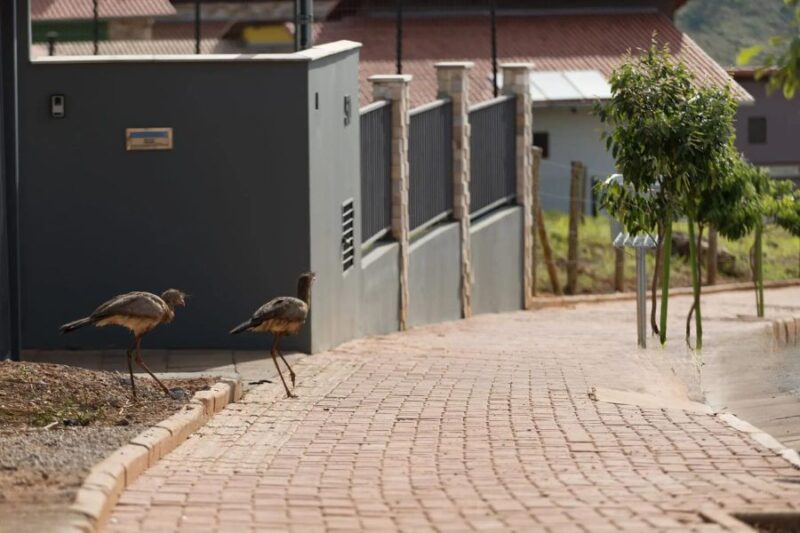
[
  {"x": 542, "y": 140},
  {"x": 757, "y": 130}
]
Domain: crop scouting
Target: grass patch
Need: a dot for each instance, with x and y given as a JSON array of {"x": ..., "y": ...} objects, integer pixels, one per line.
[{"x": 596, "y": 256}]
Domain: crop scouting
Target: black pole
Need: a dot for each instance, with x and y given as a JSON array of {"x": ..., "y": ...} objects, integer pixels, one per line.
[
  {"x": 51, "y": 42},
  {"x": 399, "y": 27},
  {"x": 297, "y": 25},
  {"x": 305, "y": 18},
  {"x": 196, "y": 26},
  {"x": 9, "y": 172},
  {"x": 494, "y": 46},
  {"x": 96, "y": 26}
]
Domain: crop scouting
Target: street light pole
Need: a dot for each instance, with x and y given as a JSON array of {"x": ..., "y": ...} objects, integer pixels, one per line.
[{"x": 95, "y": 27}]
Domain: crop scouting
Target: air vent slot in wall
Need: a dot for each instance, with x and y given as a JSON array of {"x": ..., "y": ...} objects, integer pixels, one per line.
[{"x": 348, "y": 235}]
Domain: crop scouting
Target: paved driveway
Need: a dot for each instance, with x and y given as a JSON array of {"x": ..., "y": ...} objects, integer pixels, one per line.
[{"x": 481, "y": 424}]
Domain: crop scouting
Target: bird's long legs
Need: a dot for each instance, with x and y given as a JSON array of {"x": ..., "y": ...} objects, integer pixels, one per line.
[
  {"x": 274, "y": 352},
  {"x": 141, "y": 364},
  {"x": 130, "y": 369},
  {"x": 291, "y": 372}
]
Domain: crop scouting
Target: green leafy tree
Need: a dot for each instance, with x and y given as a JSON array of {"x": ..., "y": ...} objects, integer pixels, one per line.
[
  {"x": 779, "y": 57},
  {"x": 672, "y": 141}
]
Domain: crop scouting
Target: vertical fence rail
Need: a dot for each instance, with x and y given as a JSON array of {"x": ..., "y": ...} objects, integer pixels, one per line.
[
  {"x": 430, "y": 161},
  {"x": 493, "y": 154},
  {"x": 376, "y": 170}
]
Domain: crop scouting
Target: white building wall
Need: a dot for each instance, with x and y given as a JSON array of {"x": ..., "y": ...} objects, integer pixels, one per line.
[{"x": 574, "y": 135}]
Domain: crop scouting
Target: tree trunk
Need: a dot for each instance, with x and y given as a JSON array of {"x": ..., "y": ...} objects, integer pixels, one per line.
[
  {"x": 711, "y": 257},
  {"x": 665, "y": 271},
  {"x": 759, "y": 260},
  {"x": 694, "y": 262},
  {"x": 654, "y": 286}
]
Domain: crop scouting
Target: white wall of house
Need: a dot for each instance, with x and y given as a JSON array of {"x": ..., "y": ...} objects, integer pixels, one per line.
[{"x": 573, "y": 135}]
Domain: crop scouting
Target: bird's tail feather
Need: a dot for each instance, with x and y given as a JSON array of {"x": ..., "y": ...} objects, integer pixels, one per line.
[
  {"x": 72, "y": 326},
  {"x": 241, "y": 327}
]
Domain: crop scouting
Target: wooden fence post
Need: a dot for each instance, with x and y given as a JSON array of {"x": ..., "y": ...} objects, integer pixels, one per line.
[
  {"x": 535, "y": 164},
  {"x": 619, "y": 269},
  {"x": 575, "y": 197}
]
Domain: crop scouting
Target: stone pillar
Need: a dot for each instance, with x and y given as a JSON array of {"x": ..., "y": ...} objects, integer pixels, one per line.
[
  {"x": 516, "y": 81},
  {"x": 395, "y": 89},
  {"x": 453, "y": 82}
]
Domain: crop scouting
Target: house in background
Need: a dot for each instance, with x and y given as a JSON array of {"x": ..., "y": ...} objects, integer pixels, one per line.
[
  {"x": 574, "y": 50},
  {"x": 766, "y": 131}
]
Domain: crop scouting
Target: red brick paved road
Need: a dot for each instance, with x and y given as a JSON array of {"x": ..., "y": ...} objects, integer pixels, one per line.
[{"x": 478, "y": 425}]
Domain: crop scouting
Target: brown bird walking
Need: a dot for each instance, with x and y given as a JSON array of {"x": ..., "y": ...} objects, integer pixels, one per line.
[
  {"x": 281, "y": 316},
  {"x": 139, "y": 312}
]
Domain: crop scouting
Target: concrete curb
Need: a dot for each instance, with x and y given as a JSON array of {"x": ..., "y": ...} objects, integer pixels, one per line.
[
  {"x": 762, "y": 438},
  {"x": 542, "y": 302},
  {"x": 786, "y": 332},
  {"x": 106, "y": 480}
]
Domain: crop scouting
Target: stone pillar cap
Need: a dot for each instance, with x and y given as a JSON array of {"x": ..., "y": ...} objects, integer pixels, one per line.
[
  {"x": 519, "y": 66},
  {"x": 454, "y": 64},
  {"x": 386, "y": 78}
]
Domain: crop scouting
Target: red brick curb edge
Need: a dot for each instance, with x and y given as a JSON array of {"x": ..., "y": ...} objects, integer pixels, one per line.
[{"x": 106, "y": 480}]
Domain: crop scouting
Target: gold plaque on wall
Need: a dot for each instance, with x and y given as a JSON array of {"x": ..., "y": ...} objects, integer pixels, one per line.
[{"x": 148, "y": 138}]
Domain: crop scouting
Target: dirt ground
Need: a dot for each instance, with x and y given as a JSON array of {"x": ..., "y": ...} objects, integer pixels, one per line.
[{"x": 57, "y": 421}]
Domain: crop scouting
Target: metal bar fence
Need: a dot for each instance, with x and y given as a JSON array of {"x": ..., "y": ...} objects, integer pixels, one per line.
[
  {"x": 493, "y": 154},
  {"x": 376, "y": 171},
  {"x": 430, "y": 161}
]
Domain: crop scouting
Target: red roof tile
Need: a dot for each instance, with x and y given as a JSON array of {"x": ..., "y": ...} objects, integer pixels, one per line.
[
  {"x": 550, "y": 42},
  {"x": 82, "y": 9}
]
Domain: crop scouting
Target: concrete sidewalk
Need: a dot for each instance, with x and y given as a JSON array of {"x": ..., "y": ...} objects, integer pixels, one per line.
[{"x": 480, "y": 424}]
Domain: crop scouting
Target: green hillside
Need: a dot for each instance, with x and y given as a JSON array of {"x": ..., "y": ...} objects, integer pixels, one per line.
[{"x": 723, "y": 27}]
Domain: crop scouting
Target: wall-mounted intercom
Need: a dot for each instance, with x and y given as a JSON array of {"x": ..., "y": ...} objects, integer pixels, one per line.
[{"x": 57, "y": 106}]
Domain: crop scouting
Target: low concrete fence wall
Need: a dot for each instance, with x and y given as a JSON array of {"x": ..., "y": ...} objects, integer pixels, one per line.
[
  {"x": 380, "y": 290},
  {"x": 434, "y": 276},
  {"x": 497, "y": 262}
]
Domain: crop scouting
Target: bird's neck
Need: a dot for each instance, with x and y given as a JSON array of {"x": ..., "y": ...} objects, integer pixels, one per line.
[
  {"x": 304, "y": 292},
  {"x": 170, "y": 314}
]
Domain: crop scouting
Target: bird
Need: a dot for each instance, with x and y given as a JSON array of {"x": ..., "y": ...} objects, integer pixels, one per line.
[
  {"x": 284, "y": 315},
  {"x": 138, "y": 312}
]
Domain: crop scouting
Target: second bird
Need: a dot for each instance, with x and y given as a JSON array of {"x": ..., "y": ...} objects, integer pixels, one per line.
[{"x": 284, "y": 315}]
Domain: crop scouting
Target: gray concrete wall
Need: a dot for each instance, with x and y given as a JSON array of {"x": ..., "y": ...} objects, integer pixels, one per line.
[
  {"x": 380, "y": 291},
  {"x": 334, "y": 177},
  {"x": 497, "y": 262},
  {"x": 783, "y": 122},
  {"x": 223, "y": 216},
  {"x": 434, "y": 276}
]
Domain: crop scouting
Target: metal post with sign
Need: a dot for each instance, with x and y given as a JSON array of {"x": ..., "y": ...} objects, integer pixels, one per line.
[{"x": 640, "y": 243}]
